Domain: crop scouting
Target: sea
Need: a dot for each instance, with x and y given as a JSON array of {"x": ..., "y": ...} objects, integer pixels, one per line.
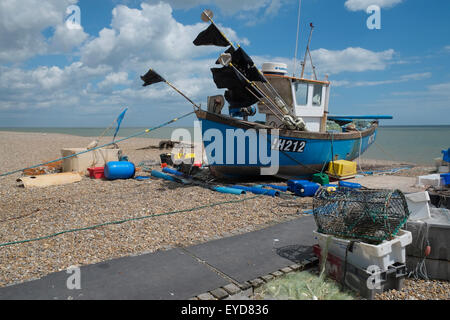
[{"x": 416, "y": 144}]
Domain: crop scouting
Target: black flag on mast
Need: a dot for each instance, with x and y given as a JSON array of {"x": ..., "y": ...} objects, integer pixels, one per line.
[
  {"x": 211, "y": 36},
  {"x": 151, "y": 77},
  {"x": 245, "y": 64},
  {"x": 239, "y": 92},
  {"x": 227, "y": 77}
]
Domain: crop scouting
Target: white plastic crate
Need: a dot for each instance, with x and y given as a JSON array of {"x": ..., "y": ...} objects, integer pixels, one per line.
[
  {"x": 364, "y": 255},
  {"x": 429, "y": 180},
  {"x": 418, "y": 205},
  {"x": 95, "y": 158}
]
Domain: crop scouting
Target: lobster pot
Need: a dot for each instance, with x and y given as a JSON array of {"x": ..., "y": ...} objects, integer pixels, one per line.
[{"x": 369, "y": 215}]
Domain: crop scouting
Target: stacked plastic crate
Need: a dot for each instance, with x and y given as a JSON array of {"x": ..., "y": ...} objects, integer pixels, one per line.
[{"x": 359, "y": 229}]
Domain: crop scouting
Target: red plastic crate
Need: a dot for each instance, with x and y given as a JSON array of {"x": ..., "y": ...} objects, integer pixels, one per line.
[{"x": 97, "y": 173}]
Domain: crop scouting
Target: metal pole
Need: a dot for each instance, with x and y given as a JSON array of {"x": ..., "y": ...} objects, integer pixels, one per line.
[
  {"x": 223, "y": 35},
  {"x": 174, "y": 88},
  {"x": 296, "y": 40},
  {"x": 307, "y": 49},
  {"x": 258, "y": 90}
]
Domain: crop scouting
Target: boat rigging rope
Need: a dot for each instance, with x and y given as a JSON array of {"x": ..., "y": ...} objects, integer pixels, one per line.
[
  {"x": 296, "y": 39},
  {"x": 388, "y": 154},
  {"x": 128, "y": 220},
  {"x": 102, "y": 146},
  {"x": 359, "y": 154},
  {"x": 332, "y": 153},
  {"x": 420, "y": 271}
]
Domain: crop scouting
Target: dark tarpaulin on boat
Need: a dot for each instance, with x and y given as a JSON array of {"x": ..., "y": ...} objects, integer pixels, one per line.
[
  {"x": 240, "y": 97},
  {"x": 238, "y": 93},
  {"x": 245, "y": 64},
  {"x": 151, "y": 77},
  {"x": 227, "y": 77},
  {"x": 211, "y": 36}
]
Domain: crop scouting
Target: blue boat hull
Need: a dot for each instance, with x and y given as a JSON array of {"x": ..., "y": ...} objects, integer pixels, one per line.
[{"x": 300, "y": 154}]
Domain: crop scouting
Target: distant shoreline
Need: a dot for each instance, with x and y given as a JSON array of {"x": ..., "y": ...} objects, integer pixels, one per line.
[
  {"x": 15, "y": 129},
  {"x": 412, "y": 144},
  {"x": 381, "y": 151}
]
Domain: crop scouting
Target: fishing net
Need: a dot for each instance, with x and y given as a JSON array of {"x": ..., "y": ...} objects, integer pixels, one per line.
[{"x": 372, "y": 215}]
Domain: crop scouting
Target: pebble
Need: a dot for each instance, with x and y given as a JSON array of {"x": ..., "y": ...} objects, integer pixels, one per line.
[
  {"x": 419, "y": 290},
  {"x": 32, "y": 213}
]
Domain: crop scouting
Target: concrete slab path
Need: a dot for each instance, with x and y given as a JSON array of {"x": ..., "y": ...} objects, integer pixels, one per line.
[{"x": 180, "y": 273}]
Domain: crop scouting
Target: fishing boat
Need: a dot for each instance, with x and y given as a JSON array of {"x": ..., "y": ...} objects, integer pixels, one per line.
[{"x": 294, "y": 140}]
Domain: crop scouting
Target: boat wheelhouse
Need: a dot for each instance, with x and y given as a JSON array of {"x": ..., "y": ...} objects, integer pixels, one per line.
[{"x": 306, "y": 98}]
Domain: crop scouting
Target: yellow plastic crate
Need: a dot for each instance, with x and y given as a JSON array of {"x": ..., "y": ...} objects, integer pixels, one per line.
[
  {"x": 182, "y": 156},
  {"x": 341, "y": 168}
]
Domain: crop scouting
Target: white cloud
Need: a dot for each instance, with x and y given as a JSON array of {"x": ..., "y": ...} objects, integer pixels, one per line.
[
  {"x": 404, "y": 78},
  {"x": 440, "y": 88},
  {"x": 421, "y": 107},
  {"x": 115, "y": 78},
  {"x": 22, "y": 23},
  {"x": 137, "y": 39},
  {"x": 351, "y": 60},
  {"x": 45, "y": 87},
  {"x": 150, "y": 33},
  {"x": 333, "y": 62},
  {"x": 337, "y": 61},
  {"x": 65, "y": 39},
  {"x": 228, "y": 6},
  {"x": 355, "y": 5}
]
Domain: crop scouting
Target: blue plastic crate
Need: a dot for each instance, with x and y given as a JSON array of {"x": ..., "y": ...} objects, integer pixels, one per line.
[
  {"x": 291, "y": 184},
  {"x": 303, "y": 188},
  {"x": 446, "y": 155},
  {"x": 446, "y": 178}
]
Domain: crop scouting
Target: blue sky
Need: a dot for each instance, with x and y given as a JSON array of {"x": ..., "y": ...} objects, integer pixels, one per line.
[{"x": 51, "y": 75}]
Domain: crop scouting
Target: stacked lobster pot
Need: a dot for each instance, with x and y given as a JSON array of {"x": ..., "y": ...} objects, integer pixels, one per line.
[{"x": 359, "y": 233}]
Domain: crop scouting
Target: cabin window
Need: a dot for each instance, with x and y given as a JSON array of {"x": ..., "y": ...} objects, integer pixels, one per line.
[
  {"x": 301, "y": 93},
  {"x": 317, "y": 95}
]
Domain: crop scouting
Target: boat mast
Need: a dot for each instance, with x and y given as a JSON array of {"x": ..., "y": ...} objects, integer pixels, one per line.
[
  {"x": 296, "y": 40},
  {"x": 306, "y": 54}
]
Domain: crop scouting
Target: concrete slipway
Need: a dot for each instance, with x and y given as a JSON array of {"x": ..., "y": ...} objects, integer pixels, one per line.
[{"x": 180, "y": 273}]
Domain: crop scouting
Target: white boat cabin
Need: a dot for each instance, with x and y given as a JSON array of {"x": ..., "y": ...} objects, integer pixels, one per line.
[{"x": 306, "y": 98}]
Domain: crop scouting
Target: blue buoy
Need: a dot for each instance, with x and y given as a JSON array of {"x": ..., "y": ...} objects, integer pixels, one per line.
[{"x": 119, "y": 170}]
